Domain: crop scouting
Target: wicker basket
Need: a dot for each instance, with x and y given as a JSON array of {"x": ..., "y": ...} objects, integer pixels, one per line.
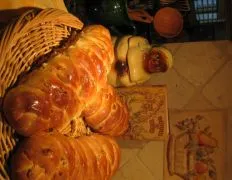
[{"x": 22, "y": 42}]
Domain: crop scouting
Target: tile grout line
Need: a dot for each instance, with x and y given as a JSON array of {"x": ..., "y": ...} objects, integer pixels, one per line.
[
  {"x": 199, "y": 92},
  {"x": 148, "y": 169},
  {"x": 183, "y": 77},
  {"x": 120, "y": 170},
  {"x": 124, "y": 164},
  {"x": 201, "y": 87},
  {"x": 208, "y": 101},
  {"x": 175, "y": 50},
  {"x": 214, "y": 74},
  {"x": 210, "y": 79}
]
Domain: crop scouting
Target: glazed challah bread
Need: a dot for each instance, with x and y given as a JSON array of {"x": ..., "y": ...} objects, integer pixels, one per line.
[
  {"x": 69, "y": 85},
  {"x": 60, "y": 105},
  {"x": 57, "y": 157},
  {"x": 107, "y": 109}
]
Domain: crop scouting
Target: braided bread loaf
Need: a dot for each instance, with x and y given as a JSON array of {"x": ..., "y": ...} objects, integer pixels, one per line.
[
  {"x": 107, "y": 114},
  {"x": 70, "y": 85},
  {"x": 54, "y": 156}
]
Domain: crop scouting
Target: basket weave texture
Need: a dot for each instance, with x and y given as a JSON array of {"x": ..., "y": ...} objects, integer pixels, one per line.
[{"x": 23, "y": 41}]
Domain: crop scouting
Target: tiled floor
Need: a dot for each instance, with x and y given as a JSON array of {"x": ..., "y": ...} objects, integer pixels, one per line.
[{"x": 200, "y": 80}]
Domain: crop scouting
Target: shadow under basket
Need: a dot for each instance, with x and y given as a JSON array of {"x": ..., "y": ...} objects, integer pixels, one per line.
[{"x": 24, "y": 41}]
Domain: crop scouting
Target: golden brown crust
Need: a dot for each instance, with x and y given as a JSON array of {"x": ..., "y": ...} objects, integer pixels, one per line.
[
  {"x": 60, "y": 90},
  {"x": 108, "y": 114},
  {"x": 54, "y": 156}
]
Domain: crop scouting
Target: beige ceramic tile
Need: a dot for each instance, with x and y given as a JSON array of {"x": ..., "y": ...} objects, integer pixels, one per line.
[
  {"x": 129, "y": 149},
  {"x": 229, "y": 146},
  {"x": 152, "y": 156},
  {"x": 127, "y": 154},
  {"x": 173, "y": 47},
  {"x": 199, "y": 102},
  {"x": 198, "y": 61},
  {"x": 224, "y": 46},
  {"x": 131, "y": 143},
  {"x": 133, "y": 170},
  {"x": 217, "y": 90},
  {"x": 179, "y": 90},
  {"x": 229, "y": 50}
]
